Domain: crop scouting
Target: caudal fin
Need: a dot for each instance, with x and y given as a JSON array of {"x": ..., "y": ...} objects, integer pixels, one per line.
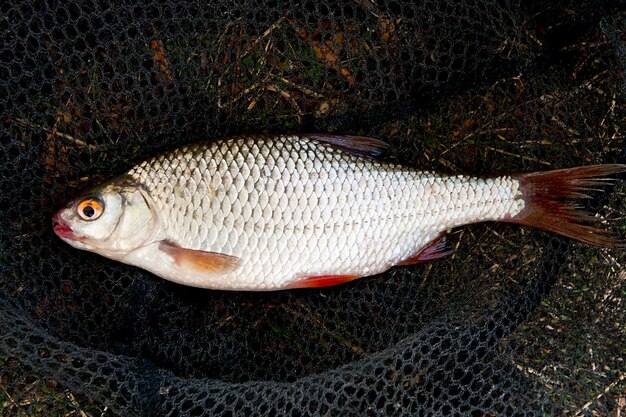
[{"x": 548, "y": 202}]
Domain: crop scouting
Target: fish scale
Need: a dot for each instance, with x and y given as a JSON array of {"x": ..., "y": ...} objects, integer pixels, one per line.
[{"x": 292, "y": 207}]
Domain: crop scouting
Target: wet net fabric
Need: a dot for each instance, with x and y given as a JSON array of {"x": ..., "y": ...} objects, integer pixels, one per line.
[{"x": 517, "y": 321}]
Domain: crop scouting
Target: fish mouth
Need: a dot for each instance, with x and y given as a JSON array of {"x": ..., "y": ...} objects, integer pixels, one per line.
[{"x": 62, "y": 229}]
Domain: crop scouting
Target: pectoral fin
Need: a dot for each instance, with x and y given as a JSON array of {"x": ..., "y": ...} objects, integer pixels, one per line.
[{"x": 198, "y": 260}]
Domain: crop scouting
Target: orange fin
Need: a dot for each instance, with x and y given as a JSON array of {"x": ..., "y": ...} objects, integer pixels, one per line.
[
  {"x": 201, "y": 261},
  {"x": 322, "y": 281},
  {"x": 548, "y": 196},
  {"x": 355, "y": 145},
  {"x": 436, "y": 249}
]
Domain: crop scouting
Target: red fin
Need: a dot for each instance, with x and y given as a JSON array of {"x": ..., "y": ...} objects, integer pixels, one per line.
[
  {"x": 322, "y": 281},
  {"x": 547, "y": 195},
  {"x": 209, "y": 262},
  {"x": 436, "y": 249},
  {"x": 355, "y": 145}
]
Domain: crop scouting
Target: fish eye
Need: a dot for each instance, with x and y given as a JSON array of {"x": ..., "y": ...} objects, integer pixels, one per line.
[{"x": 90, "y": 208}]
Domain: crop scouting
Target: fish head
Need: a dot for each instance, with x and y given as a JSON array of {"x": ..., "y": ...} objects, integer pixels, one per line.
[{"x": 112, "y": 220}]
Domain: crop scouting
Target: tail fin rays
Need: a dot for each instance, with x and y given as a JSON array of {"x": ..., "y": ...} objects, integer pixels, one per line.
[{"x": 548, "y": 197}]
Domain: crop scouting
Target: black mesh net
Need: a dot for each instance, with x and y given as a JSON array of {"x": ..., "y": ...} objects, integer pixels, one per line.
[{"x": 516, "y": 321}]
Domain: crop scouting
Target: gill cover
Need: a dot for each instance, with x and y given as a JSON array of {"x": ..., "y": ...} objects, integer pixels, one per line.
[
  {"x": 113, "y": 219},
  {"x": 136, "y": 222}
]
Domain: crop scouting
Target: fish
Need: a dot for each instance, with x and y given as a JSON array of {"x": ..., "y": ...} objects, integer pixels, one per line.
[{"x": 263, "y": 213}]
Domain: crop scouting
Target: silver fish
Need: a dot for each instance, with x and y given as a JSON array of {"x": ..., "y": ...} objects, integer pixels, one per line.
[{"x": 273, "y": 212}]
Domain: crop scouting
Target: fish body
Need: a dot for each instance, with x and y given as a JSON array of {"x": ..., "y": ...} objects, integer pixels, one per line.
[{"x": 273, "y": 212}]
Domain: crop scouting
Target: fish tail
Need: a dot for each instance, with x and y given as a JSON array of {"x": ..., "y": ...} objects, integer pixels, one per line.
[{"x": 549, "y": 205}]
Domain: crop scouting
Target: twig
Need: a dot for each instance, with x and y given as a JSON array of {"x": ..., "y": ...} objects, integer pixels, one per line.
[
  {"x": 74, "y": 402},
  {"x": 610, "y": 111},
  {"x": 547, "y": 382},
  {"x": 55, "y": 132},
  {"x": 274, "y": 88},
  {"x": 597, "y": 397},
  {"x": 73, "y": 139},
  {"x": 591, "y": 355},
  {"x": 11, "y": 400},
  {"x": 526, "y": 158},
  {"x": 269, "y": 30},
  {"x": 587, "y": 44},
  {"x": 484, "y": 132},
  {"x": 305, "y": 90},
  {"x": 369, "y": 6},
  {"x": 425, "y": 276}
]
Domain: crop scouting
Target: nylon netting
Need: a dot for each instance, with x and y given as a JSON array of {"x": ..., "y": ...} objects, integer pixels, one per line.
[{"x": 516, "y": 321}]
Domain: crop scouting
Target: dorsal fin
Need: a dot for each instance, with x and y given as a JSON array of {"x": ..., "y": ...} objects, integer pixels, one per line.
[{"x": 355, "y": 145}]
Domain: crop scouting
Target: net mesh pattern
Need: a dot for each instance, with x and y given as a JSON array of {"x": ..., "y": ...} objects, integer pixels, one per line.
[{"x": 517, "y": 321}]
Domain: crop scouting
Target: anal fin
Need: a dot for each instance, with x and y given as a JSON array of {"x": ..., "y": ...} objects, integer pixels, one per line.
[
  {"x": 322, "y": 281},
  {"x": 436, "y": 249},
  {"x": 198, "y": 260}
]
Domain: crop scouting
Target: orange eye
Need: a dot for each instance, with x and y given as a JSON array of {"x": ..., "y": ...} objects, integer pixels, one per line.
[{"x": 90, "y": 208}]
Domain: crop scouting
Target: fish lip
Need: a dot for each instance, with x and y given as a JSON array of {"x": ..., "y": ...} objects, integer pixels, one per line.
[{"x": 62, "y": 229}]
